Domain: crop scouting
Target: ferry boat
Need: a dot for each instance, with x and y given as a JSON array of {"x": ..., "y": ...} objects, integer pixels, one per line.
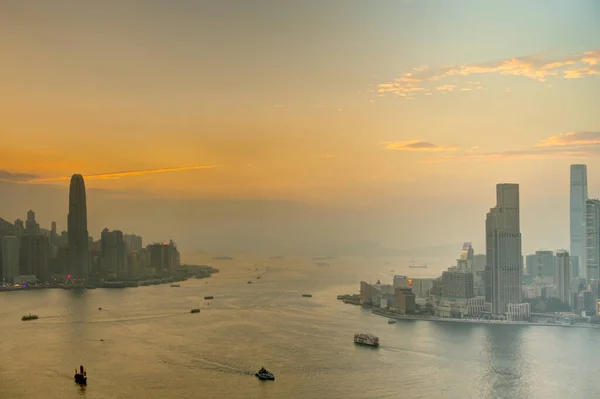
[
  {"x": 209, "y": 297},
  {"x": 307, "y": 295},
  {"x": 29, "y": 317},
  {"x": 196, "y": 310},
  {"x": 366, "y": 339},
  {"x": 175, "y": 285}
]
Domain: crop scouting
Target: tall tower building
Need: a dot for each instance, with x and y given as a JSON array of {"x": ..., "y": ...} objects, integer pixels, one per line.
[
  {"x": 592, "y": 240},
  {"x": 79, "y": 254},
  {"x": 563, "y": 277},
  {"x": 504, "y": 267},
  {"x": 578, "y": 196},
  {"x": 10, "y": 258}
]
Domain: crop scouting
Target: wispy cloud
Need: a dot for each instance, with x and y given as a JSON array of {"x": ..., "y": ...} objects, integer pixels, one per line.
[
  {"x": 15, "y": 177},
  {"x": 112, "y": 175},
  {"x": 539, "y": 67},
  {"x": 416, "y": 145},
  {"x": 572, "y": 145}
]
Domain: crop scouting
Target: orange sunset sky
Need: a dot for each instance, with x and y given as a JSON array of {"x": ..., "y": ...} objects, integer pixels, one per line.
[{"x": 299, "y": 124}]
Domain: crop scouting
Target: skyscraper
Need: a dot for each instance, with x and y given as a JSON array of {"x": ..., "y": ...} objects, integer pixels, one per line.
[
  {"x": 79, "y": 256},
  {"x": 579, "y": 194},
  {"x": 563, "y": 277},
  {"x": 591, "y": 257},
  {"x": 504, "y": 268}
]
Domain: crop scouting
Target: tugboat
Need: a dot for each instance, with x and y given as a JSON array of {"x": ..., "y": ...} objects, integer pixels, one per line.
[
  {"x": 29, "y": 317},
  {"x": 81, "y": 376},
  {"x": 263, "y": 374}
]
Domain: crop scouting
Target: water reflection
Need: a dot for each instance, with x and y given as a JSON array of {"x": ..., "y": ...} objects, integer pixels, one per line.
[{"x": 504, "y": 367}]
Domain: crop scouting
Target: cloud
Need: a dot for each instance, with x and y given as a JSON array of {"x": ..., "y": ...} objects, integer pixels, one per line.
[
  {"x": 578, "y": 139},
  {"x": 416, "y": 145},
  {"x": 15, "y": 177},
  {"x": 446, "y": 88},
  {"x": 115, "y": 175},
  {"x": 539, "y": 67},
  {"x": 572, "y": 145}
]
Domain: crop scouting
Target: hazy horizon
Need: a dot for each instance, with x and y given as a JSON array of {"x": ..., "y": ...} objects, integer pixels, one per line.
[{"x": 299, "y": 127}]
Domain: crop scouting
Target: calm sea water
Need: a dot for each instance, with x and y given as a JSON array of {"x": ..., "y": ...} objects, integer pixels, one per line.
[{"x": 154, "y": 348}]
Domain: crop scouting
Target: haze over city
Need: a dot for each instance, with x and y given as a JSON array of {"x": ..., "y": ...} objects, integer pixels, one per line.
[{"x": 305, "y": 126}]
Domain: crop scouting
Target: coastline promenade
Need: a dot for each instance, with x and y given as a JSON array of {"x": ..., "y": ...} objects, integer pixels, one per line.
[{"x": 395, "y": 316}]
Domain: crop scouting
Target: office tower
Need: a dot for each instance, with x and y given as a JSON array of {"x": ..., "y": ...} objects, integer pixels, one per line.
[
  {"x": 10, "y": 258},
  {"x": 465, "y": 260},
  {"x": 592, "y": 240},
  {"x": 504, "y": 267},
  {"x": 540, "y": 264},
  {"x": 31, "y": 226},
  {"x": 113, "y": 253},
  {"x": 79, "y": 256},
  {"x": 19, "y": 228},
  {"x": 578, "y": 196},
  {"x": 563, "y": 277}
]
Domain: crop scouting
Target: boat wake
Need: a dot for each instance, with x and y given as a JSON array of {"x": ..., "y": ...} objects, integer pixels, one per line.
[{"x": 404, "y": 350}]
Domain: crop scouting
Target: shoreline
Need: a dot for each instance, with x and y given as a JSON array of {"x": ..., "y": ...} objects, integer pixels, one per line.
[{"x": 394, "y": 316}]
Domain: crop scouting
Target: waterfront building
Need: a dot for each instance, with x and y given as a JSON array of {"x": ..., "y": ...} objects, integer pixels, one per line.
[
  {"x": 10, "y": 258},
  {"x": 504, "y": 266},
  {"x": 401, "y": 282},
  {"x": 592, "y": 240},
  {"x": 578, "y": 198},
  {"x": 563, "y": 277},
  {"x": 404, "y": 300},
  {"x": 34, "y": 253},
  {"x": 518, "y": 312},
  {"x": 457, "y": 284},
  {"x": 368, "y": 292},
  {"x": 164, "y": 257},
  {"x": 79, "y": 254},
  {"x": 114, "y": 258}
]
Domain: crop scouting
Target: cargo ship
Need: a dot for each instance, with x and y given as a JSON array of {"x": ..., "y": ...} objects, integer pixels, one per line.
[{"x": 366, "y": 339}]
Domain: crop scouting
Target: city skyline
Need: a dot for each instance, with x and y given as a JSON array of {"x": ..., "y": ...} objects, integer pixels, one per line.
[{"x": 349, "y": 131}]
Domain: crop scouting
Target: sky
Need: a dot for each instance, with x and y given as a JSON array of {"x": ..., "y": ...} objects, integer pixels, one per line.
[{"x": 299, "y": 124}]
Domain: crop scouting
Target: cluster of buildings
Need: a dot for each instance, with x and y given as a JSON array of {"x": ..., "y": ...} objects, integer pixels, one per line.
[
  {"x": 30, "y": 254},
  {"x": 496, "y": 285}
]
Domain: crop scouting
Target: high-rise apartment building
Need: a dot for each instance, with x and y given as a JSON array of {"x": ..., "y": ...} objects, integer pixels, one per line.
[
  {"x": 79, "y": 254},
  {"x": 31, "y": 226},
  {"x": 504, "y": 268},
  {"x": 592, "y": 240},
  {"x": 563, "y": 277},
  {"x": 578, "y": 198}
]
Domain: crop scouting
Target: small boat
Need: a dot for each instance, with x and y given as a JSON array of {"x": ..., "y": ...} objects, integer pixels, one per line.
[
  {"x": 307, "y": 295},
  {"x": 209, "y": 297},
  {"x": 258, "y": 278},
  {"x": 81, "y": 376},
  {"x": 196, "y": 310},
  {"x": 175, "y": 285},
  {"x": 249, "y": 282},
  {"x": 29, "y": 317},
  {"x": 391, "y": 321},
  {"x": 263, "y": 374}
]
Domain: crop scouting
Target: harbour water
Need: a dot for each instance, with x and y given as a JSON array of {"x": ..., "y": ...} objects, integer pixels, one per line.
[{"x": 144, "y": 343}]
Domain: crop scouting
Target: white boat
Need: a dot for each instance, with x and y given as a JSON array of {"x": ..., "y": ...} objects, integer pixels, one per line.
[
  {"x": 391, "y": 321},
  {"x": 366, "y": 339}
]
